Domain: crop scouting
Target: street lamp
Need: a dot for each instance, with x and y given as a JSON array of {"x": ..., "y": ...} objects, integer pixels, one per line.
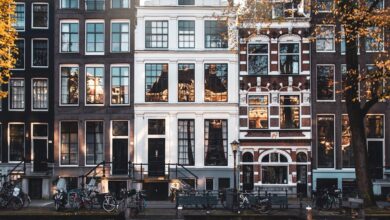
[{"x": 235, "y": 146}]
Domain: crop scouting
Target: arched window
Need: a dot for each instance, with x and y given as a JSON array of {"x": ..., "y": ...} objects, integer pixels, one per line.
[
  {"x": 247, "y": 157},
  {"x": 301, "y": 157},
  {"x": 274, "y": 169},
  {"x": 289, "y": 54},
  {"x": 274, "y": 158}
]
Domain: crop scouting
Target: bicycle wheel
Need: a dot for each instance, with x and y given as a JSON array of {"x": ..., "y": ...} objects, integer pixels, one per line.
[
  {"x": 109, "y": 204},
  {"x": 26, "y": 200},
  {"x": 16, "y": 203},
  {"x": 74, "y": 202}
]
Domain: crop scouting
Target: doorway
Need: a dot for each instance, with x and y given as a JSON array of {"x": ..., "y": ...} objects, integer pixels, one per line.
[
  {"x": 40, "y": 155},
  {"x": 375, "y": 156},
  {"x": 156, "y": 157},
  {"x": 35, "y": 188},
  {"x": 119, "y": 156},
  {"x": 248, "y": 183},
  {"x": 302, "y": 180},
  {"x": 156, "y": 191}
]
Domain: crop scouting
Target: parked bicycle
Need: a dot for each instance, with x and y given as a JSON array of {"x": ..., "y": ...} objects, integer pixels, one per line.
[
  {"x": 136, "y": 201},
  {"x": 326, "y": 199},
  {"x": 60, "y": 198},
  {"x": 10, "y": 196}
]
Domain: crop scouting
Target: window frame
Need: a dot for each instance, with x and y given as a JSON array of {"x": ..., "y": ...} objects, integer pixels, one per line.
[
  {"x": 299, "y": 94},
  {"x": 178, "y": 90},
  {"x": 162, "y": 34},
  {"x": 47, "y": 50},
  {"x": 326, "y": 11},
  {"x": 334, "y": 83},
  {"x": 32, "y": 15},
  {"x": 261, "y": 106},
  {"x": 123, "y": 66},
  {"x": 204, "y": 82},
  {"x": 95, "y": 5},
  {"x": 179, "y": 147},
  {"x": 120, "y": 21},
  {"x": 60, "y": 84},
  {"x": 178, "y": 35},
  {"x": 78, "y": 5},
  {"x": 24, "y": 11},
  {"x": 24, "y": 55},
  {"x": 8, "y": 140},
  {"x": 103, "y": 80},
  {"x": 94, "y": 21},
  {"x": 290, "y": 54},
  {"x": 129, "y": 5},
  {"x": 9, "y": 95},
  {"x": 85, "y": 142},
  {"x": 145, "y": 84},
  {"x": 60, "y": 144},
  {"x": 222, "y": 40},
  {"x": 65, "y": 21},
  {"x": 32, "y": 95},
  {"x": 258, "y": 54},
  {"x": 327, "y": 37},
  {"x": 334, "y": 141}
]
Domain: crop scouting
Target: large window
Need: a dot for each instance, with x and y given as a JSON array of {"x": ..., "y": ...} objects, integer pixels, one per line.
[
  {"x": 325, "y": 141},
  {"x": 120, "y": 85},
  {"x": 40, "y": 94},
  {"x": 94, "y": 142},
  {"x": 94, "y": 85},
  {"x": 289, "y": 58},
  {"x": 186, "y": 141},
  {"x": 69, "y": 143},
  {"x": 69, "y": 4},
  {"x": 348, "y": 159},
  {"x": 272, "y": 170},
  {"x": 216, "y": 34},
  {"x": 156, "y": 82},
  {"x": 95, "y": 37},
  {"x": 40, "y": 15},
  {"x": 325, "y": 83},
  {"x": 16, "y": 94},
  {"x": 156, "y": 34},
  {"x": 120, "y": 3},
  {"x": 289, "y": 111},
  {"x": 258, "y": 111},
  {"x": 257, "y": 59},
  {"x": 216, "y": 82},
  {"x": 95, "y": 5},
  {"x": 19, "y": 16},
  {"x": 216, "y": 142},
  {"x": 120, "y": 37},
  {"x": 186, "y": 85},
  {"x": 69, "y": 85},
  {"x": 20, "y": 57},
  {"x": 186, "y": 34},
  {"x": 40, "y": 53},
  {"x": 69, "y": 36},
  {"x": 325, "y": 41},
  {"x": 16, "y": 141},
  {"x": 374, "y": 39},
  {"x": 186, "y": 2}
]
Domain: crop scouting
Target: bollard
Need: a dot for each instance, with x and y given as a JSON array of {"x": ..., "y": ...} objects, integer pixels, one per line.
[{"x": 309, "y": 213}]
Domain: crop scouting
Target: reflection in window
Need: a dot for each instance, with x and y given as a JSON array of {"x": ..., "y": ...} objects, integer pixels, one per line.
[
  {"x": 343, "y": 80},
  {"x": 258, "y": 111},
  {"x": 156, "y": 82},
  {"x": 257, "y": 59},
  {"x": 40, "y": 15},
  {"x": 325, "y": 144},
  {"x": 95, "y": 85},
  {"x": 215, "y": 34},
  {"x": 119, "y": 85},
  {"x": 373, "y": 86},
  {"x": 186, "y": 86},
  {"x": 216, "y": 82},
  {"x": 40, "y": 94},
  {"x": 301, "y": 157},
  {"x": 186, "y": 141},
  {"x": 20, "y": 56},
  {"x": 289, "y": 58},
  {"x": 348, "y": 159},
  {"x": 325, "y": 82},
  {"x": 95, "y": 37},
  {"x": 19, "y": 17},
  {"x": 156, "y": 34},
  {"x": 40, "y": 53},
  {"x": 216, "y": 142},
  {"x": 324, "y": 5},
  {"x": 374, "y": 39},
  {"x": 374, "y": 126},
  {"x": 120, "y": 128},
  {"x": 16, "y": 94},
  {"x": 16, "y": 142},
  {"x": 94, "y": 142},
  {"x": 186, "y": 34},
  {"x": 69, "y": 85},
  {"x": 120, "y": 37},
  {"x": 325, "y": 39},
  {"x": 120, "y": 4},
  {"x": 69, "y": 142},
  {"x": 274, "y": 174},
  {"x": 289, "y": 111},
  {"x": 69, "y": 4},
  {"x": 156, "y": 126},
  {"x": 69, "y": 37}
]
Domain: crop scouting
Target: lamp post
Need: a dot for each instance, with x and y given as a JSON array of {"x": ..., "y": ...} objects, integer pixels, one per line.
[{"x": 235, "y": 146}]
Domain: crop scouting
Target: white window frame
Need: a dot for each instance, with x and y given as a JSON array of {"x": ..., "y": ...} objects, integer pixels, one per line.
[
  {"x": 286, "y": 39},
  {"x": 268, "y": 109},
  {"x": 334, "y": 141},
  {"x": 24, "y": 55},
  {"x": 85, "y": 142},
  {"x": 65, "y": 21},
  {"x": 119, "y": 137},
  {"x": 119, "y": 21},
  {"x": 334, "y": 39},
  {"x": 32, "y": 52},
  {"x": 32, "y": 15},
  {"x": 60, "y": 147},
  {"x": 334, "y": 83},
  {"x": 104, "y": 84},
  {"x": 119, "y": 65},
  {"x": 299, "y": 94},
  {"x": 78, "y": 5},
  {"x": 24, "y": 6},
  {"x": 32, "y": 95},
  {"x": 111, "y": 4},
  {"x": 276, "y": 164},
  {"x": 60, "y": 84},
  {"x": 261, "y": 54},
  {"x": 9, "y": 98},
  {"x": 8, "y": 140},
  {"x": 39, "y": 138},
  {"x": 380, "y": 139},
  {"x": 94, "y": 21}
]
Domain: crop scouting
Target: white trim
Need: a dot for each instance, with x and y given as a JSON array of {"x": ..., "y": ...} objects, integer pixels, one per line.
[
  {"x": 94, "y": 21},
  {"x": 119, "y": 65},
  {"x": 121, "y": 21},
  {"x": 290, "y": 40},
  {"x": 85, "y": 142},
  {"x": 24, "y": 54},
  {"x": 334, "y": 141},
  {"x": 334, "y": 83},
  {"x": 9, "y": 96},
  {"x": 8, "y": 140},
  {"x": 32, "y": 52},
  {"x": 60, "y": 85},
  {"x": 68, "y": 21},
  {"x": 32, "y": 15},
  {"x": 32, "y": 95},
  {"x": 38, "y": 138},
  {"x": 85, "y": 80},
  {"x": 60, "y": 147}
]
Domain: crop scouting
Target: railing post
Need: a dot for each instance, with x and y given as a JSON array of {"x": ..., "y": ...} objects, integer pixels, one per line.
[
  {"x": 24, "y": 165},
  {"x": 176, "y": 171},
  {"x": 142, "y": 173},
  {"x": 82, "y": 182},
  {"x": 169, "y": 171},
  {"x": 104, "y": 168}
]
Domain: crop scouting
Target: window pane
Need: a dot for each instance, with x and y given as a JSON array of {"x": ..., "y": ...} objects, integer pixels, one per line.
[
  {"x": 156, "y": 126},
  {"x": 257, "y": 59},
  {"x": 186, "y": 2},
  {"x": 374, "y": 126},
  {"x": 156, "y": 34},
  {"x": 120, "y": 128},
  {"x": 325, "y": 144},
  {"x": 19, "y": 17},
  {"x": 95, "y": 85},
  {"x": 216, "y": 34},
  {"x": 120, "y": 37},
  {"x": 120, "y": 3},
  {"x": 186, "y": 34},
  {"x": 289, "y": 111},
  {"x": 40, "y": 130},
  {"x": 348, "y": 159},
  {"x": 274, "y": 174},
  {"x": 95, "y": 37},
  {"x": 69, "y": 4},
  {"x": 16, "y": 142},
  {"x": 40, "y": 15},
  {"x": 216, "y": 142},
  {"x": 258, "y": 112},
  {"x": 69, "y": 37},
  {"x": 20, "y": 57},
  {"x": 324, "y": 5},
  {"x": 216, "y": 82},
  {"x": 289, "y": 58},
  {"x": 94, "y": 5},
  {"x": 40, "y": 94},
  {"x": 186, "y": 141},
  {"x": 16, "y": 94},
  {"x": 69, "y": 85},
  {"x": 186, "y": 86},
  {"x": 40, "y": 53},
  {"x": 325, "y": 39},
  {"x": 325, "y": 83},
  {"x": 69, "y": 142},
  {"x": 156, "y": 82},
  {"x": 119, "y": 85},
  {"x": 94, "y": 142}
]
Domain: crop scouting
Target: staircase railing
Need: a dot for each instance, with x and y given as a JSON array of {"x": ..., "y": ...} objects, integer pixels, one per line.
[
  {"x": 101, "y": 164},
  {"x": 10, "y": 173}
]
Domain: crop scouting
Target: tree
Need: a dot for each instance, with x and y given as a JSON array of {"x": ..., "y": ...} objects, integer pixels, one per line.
[
  {"x": 8, "y": 50},
  {"x": 361, "y": 19}
]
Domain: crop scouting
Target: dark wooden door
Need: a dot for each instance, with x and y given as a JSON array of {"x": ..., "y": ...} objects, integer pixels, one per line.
[
  {"x": 375, "y": 158},
  {"x": 156, "y": 157},
  {"x": 35, "y": 188},
  {"x": 247, "y": 178},
  {"x": 40, "y": 155},
  {"x": 120, "y": 157},
  {"x": 302, "y": 180}
]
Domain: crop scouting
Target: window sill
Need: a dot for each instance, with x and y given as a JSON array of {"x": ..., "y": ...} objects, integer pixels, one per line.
[
  {"x": 325, "y": 51},
  {"x": 40, "y": 67}
]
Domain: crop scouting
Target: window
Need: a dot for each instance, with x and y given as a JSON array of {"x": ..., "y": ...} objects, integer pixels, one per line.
[
  {"x": 40, "y": 14},
  {"x": 209, "y": 184},
  {"x": 186, "y": 2},
  {"x": 69, "y": 85},
  {"x": 324, "y": 5},
  {"x": 186, "y": 34},
  {"x": 95, "y": 37},
  {"x": 378, "y": 6},
  {"x": 16, "y": 94},
  {"x": 120, "y": 128},
  {"x": 325, "y": 39},
  {"x": 20, "y": 57},
  {"x": 216, "y": 34},
  {"x": 156, "y": 82},
  {"x": 343, "y": 42},
  {"x": 301, "y": 157},
  {"x": 289, "y": 58},
  {"x": 374, "y": 39},
  {"x": 258, "y": 111},
  {"x": 373, "y": 87},
  {"x": 223, "y": 183},
  {"x": 216, "y": 82},
  {"x": 120, "y": 4},
  {"x": 216, "y": 145},
  {"x": 156, "y": 126},
  {"x": 186, "y": 85},
  {"x": 120, "y": 37},
  {"x": 69, "y": 4},
  {"x": 186, "y": 141},
  {"x": 120, "y": 90},
  {"x": 343, "y": 80},
  {"x": 348, "y": 159},
  {"x": 94, "y": 142},
  {"x": 94, "y": 5},
  {"x": 257, "y": 59},
  {"x": 69, "y": 142},
  {"x": 40, "y": 53},
  {"x": 40, "y": 94},
  {"x": 325, "y": 83},
  {"x": 69, "y": 36},
  {"x": 19, "y": 16},
  {"x": 325, "y": 141},
  {"x": 16, "y": 141},
  {"x": 272, "y": 174},
  {"x": 374, "y": 126},
  {"x": 94, "y": 85},
  {"x": 289, "y": 111},
  {"x": 156, "y": 34}
]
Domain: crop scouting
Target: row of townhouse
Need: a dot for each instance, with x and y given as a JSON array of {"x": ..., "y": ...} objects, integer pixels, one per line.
[{"x": 148, "y": 94}]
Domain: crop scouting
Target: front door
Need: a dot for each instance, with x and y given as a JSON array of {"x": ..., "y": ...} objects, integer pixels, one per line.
[
  {"x": 156, "y": 191},
  {"x": 247, "y": 177},
  {"x": 302, "y": 180},
  {"x": 40, "y": 155},
  {"x": 156, "y": 157},
  {"x": 119, "y": 156},
  {"x": 35, "y": 188},
  {"x": 375, "y": 156}
]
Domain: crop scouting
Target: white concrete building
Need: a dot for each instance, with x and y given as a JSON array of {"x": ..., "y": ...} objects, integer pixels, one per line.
[{"x": 186, "y": 95}]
